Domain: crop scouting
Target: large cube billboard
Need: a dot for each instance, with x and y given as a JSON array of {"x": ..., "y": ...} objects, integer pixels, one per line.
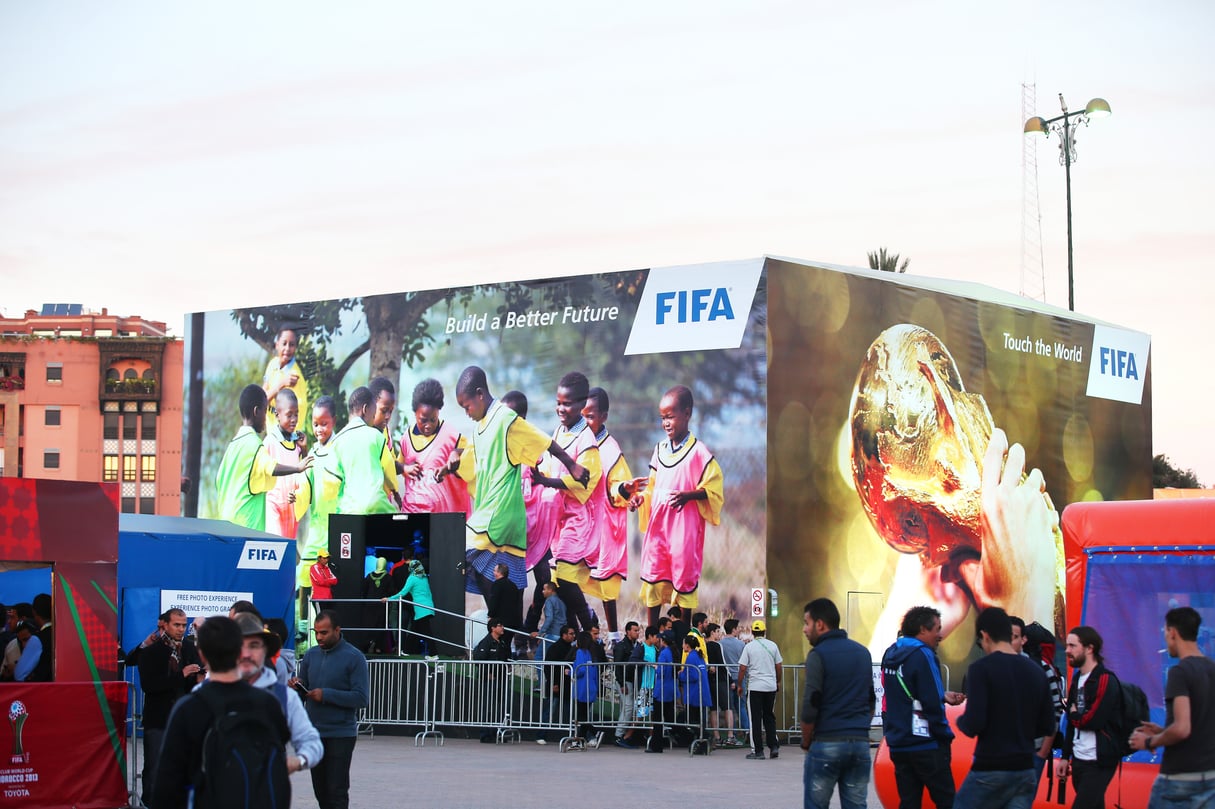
[
  {"x": 850, "y": 414},
  {"x": 924, "y": 437},
  {"x": 703, "y": 330}
]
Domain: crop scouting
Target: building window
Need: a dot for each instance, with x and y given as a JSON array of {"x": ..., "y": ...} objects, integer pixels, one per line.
[
  {"x": 110, "y": 429},
  {"x": 147, "y": 374},
  {"x": 130, "y": 373},
  {"x": 129, "y": 425},
  {"x": 128, "y": 468},
  {"x": 109, "y": 467},
  {"x": 54, "y": 372},
  {"x": 148, "y": 425},
  {"x": 53, "y": 416},
  {"x": 147, "y": 505},
  {"x": 128, "y": 505},
  {"x": 147, "y": 471},
  {"x": 50, "y": 459}
]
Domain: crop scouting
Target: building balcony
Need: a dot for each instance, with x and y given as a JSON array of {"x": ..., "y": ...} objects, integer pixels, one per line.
[{"x": 131, "y": 390}]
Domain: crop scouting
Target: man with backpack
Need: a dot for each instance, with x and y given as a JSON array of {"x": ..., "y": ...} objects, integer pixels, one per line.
[
  {"x": 239, "y": 731},
  {"x": 1093, "y": 745}
]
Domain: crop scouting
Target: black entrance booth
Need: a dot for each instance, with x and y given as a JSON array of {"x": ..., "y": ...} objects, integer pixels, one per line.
[{"x": 439, "y": 540}]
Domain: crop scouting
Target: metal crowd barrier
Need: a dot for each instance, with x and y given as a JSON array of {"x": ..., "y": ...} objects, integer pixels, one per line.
[
  {"x": 789, "y": 701},
  {"x": 134, "y": 744},
  {"x": 503, "y": 700}
]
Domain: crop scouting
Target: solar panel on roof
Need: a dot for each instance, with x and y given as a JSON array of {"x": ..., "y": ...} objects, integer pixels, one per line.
[
  {"x": 75, "y": 308},
  {"x": 48, "y": 308}
]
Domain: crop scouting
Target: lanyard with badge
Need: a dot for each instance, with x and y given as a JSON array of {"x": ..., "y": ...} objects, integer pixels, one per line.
[{"x": 919, "y": 725}]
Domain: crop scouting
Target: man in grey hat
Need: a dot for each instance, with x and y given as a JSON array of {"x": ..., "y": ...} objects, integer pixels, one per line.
[{"x": 260, "y": 644}]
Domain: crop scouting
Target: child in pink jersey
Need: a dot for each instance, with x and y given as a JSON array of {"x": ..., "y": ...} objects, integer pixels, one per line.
[
  {"x": 425, "y": 449},
  {"x": 682, "y": 471},
  {"x": 610, "y": 565},
  {"x": 576, "y": 542}
]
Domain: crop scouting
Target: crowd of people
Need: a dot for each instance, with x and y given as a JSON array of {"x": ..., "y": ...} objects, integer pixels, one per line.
[
  {"x": 235, "y": 691},
  {"x": 1021, "y": 713},
  {"x": 27, "y": 638},
  {"x": 694, "y": 682}
]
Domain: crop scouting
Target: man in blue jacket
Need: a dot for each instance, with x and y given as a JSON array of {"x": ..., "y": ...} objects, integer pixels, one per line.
[
  {"x": 836, "y": 711},
  {"x": 913, "y": 712},
  {"x": 335, "y": 676}
]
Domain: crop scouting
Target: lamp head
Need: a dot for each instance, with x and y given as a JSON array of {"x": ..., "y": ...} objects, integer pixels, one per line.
[
  {"x": 1097, "y": 108},
  {"x": 1036, "y": 126}
]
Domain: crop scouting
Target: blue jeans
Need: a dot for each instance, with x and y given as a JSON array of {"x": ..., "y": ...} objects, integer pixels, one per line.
[
  {"x": 840, "y": 762},
  {"x": 996, "y": 789},
  {"x": 1168, "y": 794}
]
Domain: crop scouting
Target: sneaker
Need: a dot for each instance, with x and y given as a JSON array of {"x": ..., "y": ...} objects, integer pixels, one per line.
[
  {"x": 755, "y": 756},
  {"x": 775, "y": 753},
  {"x": 732, "y": 742},
  {"x": 541, "y": 741},
  {"x": 626, "y": 744},
  {"x": 595, "y": 741}
]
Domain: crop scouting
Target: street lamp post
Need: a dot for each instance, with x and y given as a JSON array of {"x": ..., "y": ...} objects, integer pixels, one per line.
[{"x": 1065, "y": 127}]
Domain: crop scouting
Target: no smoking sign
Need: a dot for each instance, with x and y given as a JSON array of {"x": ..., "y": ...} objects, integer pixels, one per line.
[{"x": 757, "y": 602}]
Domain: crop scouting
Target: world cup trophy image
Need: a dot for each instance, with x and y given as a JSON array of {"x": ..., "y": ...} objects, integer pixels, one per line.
[
  {"x": 922, "y": 445},
  {"x": 17, "y": 714}
]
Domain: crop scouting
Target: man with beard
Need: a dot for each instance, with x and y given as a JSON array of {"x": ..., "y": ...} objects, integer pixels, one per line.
[
  {"x": 258, "y": 644},
  {"x": 1090, "y": 751}
]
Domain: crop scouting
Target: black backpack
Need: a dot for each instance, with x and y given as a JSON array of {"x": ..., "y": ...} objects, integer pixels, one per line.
[
  {"x": 1132, "y": 712},
  {"x": 244, "y": 758}
]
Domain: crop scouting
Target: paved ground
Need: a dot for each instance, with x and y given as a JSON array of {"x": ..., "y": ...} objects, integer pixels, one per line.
[{"x": 390, "y": 771}]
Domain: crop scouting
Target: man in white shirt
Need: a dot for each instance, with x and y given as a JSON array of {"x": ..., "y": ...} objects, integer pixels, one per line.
[{"x": 760, "y": 666}]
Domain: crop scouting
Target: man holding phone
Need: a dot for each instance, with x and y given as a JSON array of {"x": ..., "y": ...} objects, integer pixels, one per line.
[{"x": 260, "y": 644}]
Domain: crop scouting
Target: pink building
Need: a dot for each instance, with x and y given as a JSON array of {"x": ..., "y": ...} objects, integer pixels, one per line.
[{"x": 93, "y": 397}]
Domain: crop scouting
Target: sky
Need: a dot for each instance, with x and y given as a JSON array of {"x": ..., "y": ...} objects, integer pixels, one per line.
[{"x": 163, "y": 158}]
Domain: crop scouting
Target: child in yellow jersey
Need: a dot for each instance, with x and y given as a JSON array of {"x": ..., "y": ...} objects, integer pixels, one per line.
[{"x": 284, "y": 371}]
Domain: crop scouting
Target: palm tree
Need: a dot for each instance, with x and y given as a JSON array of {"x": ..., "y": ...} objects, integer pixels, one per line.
[{"x": 887, "y": 262}]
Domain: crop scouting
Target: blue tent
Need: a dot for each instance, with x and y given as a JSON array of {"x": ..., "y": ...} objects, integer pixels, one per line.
[{"x": 201, "y": 566}]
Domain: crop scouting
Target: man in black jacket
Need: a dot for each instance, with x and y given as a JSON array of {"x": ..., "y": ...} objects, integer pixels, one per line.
[
  {"x": 1094, "y": 701},
  {"x": 505, "y": 602},
  {"x": 493, "y": 647},
  {"x": 554, "y": 679},
  {"x": 1007, "y": 707},
  {"x": 168, "y": 669}
]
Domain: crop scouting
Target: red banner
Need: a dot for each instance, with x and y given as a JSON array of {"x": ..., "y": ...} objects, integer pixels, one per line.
[{"x": 63, "y": 744}]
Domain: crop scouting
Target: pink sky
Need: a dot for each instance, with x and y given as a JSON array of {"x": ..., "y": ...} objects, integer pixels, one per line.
[{"x": 159, "y": 160}]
